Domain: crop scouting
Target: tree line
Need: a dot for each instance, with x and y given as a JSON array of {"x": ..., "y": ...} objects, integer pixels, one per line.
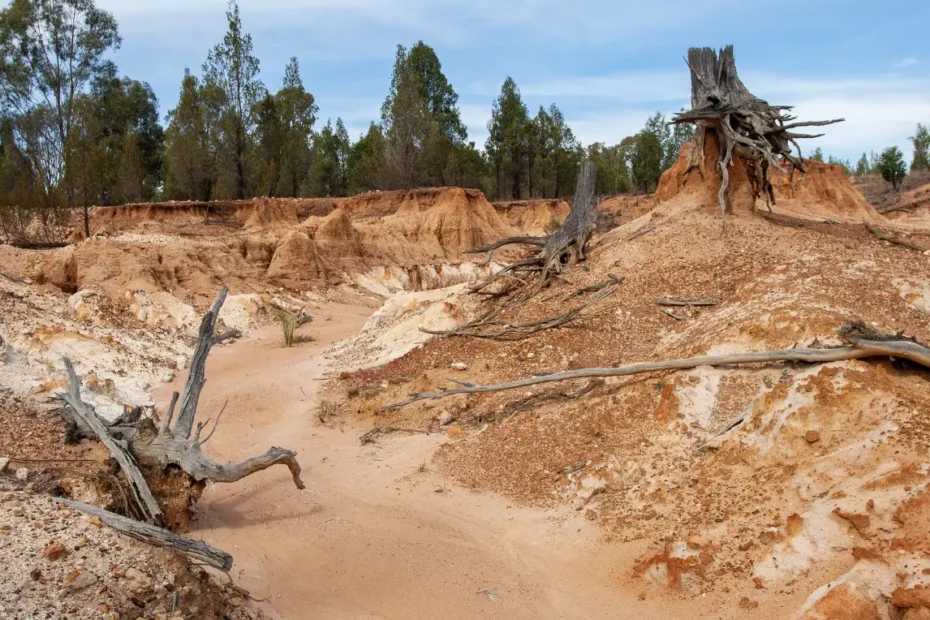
[{"x": 74, "y": 133}]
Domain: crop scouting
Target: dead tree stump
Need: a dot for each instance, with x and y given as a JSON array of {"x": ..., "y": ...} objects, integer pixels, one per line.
[
  {"x": 749, "y": 128},
  {"x": 517, "y": 283},
  {"x": 138, "y": 446}
]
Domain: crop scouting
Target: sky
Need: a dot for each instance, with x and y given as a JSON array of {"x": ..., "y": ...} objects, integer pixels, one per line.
[{"x": 607, "y": 64}]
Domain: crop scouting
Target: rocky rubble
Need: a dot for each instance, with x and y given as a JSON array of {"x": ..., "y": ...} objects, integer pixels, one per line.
[{"x": 58, "y": 563}]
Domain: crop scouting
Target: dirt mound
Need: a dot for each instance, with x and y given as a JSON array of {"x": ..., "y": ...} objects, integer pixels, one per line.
[
  {"x": 433, "y": 225},
  {"x": 534, "y": 217},
  {"x": 619, "y": 210},
  {"x": 909, "y": 208},
  {"x": 824, "y": 193},
  {"x": 763, "y": 483}
]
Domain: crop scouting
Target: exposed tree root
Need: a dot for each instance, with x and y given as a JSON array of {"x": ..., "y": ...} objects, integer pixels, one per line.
[
  {"x": 518, "y": 282},
  {"x": 136, "y": 443},
  {"x": 755, "y": 132},
  {"x": 498, "y": 329},
  {"x": 863, "y": 343}
]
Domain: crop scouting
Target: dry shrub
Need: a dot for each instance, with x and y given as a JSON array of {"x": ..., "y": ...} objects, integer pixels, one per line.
[{"x": 288, "y": 322}]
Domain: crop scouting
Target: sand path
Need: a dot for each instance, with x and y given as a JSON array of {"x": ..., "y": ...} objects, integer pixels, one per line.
[{"x": 376, "y": 534}]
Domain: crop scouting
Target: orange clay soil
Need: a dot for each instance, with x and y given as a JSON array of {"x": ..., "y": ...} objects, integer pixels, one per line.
[{"x": 761, "y": 487}]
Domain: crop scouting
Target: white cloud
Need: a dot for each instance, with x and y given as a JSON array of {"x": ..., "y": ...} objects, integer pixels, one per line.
[{"x": 904, "y": 63}]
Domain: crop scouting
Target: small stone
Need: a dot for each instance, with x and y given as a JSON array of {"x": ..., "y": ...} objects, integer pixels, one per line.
[
  {"x": 530, "y": 355},
  {"x": 459, "y": 366},
  {"x": 746, "y": 603},
  {"x": 36, "y": 574},
  {"x": 590, "y": 515},
  {"x": 80, "y": 544},
  {"x": 79, "y": 580},
  {"x": 22, "y": 474},
  {"x": 446, "y": 418},
  {"x": 95, "y": 521},
  {"x": 4, "y": 463},
  {"x": 54, "y": 551},
  {"x": 236, "y": 601},
  {"x": 812, "y": 436}
]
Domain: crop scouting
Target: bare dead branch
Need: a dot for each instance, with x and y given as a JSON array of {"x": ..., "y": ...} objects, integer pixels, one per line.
[
  {"x": 894, "y": 240},
  {"x": 227, "y": 335},
  {"x": 864, "y": 344},
  {"x": 674, "y": 301},
  {"x": 118, "y": 449},
  {"x": 156, "y": 536},
  {"x": 197, "y": 377}
]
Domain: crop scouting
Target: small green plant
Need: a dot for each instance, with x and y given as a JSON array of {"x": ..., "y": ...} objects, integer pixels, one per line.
[{"x": 288, "y": 322}]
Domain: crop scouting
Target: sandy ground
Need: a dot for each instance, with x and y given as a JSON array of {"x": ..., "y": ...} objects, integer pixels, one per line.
[{"x": 377, "y": 533}]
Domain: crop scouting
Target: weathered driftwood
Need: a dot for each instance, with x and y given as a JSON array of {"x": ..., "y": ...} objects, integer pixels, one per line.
[
  {"x": 757, "y": 133},
  {"x": 160, "y": 537},
  {"x": 135, "y": 439},
  {"x": 120, "y": 451},
  {"x": 864, "y": 343}
]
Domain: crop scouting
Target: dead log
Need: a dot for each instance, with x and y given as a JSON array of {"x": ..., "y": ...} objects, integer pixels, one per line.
[
  {"x": 159, "y": 537},
  {"x": 893, "y": 240},
  {"x": 863, "y": 343},
  {"x": 759, "y": 134},
  {"x": 139, "y": 441},
  {"x": 137, "y": 483}
]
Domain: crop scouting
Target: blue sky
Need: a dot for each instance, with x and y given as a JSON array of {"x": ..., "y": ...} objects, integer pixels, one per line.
[{"x": 607, "y": 64}]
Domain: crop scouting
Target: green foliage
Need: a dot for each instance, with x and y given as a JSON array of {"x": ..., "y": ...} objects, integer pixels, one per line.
[
  {"x": 646, "y": 161},
  {"x": 329, "y": 174},
  {"x": 863, "y": 166},
  {"x": 365, "y": 161},
  {"x": 891, "y": 166},
  {"x": 50, "y": 51},
  {"x": 190, "y": 137},
  {"x": 613, "y": 173},
  {"x": 508, "y": 142},
  {"x": 921, "y": 142},
  {"x": 555, "y": 155},
  {"x": 842, "y": 163},
  {"x": 231, "y": 68},
  {"x": 434, "y": 88},
  {"x": 817, "y": 155}
]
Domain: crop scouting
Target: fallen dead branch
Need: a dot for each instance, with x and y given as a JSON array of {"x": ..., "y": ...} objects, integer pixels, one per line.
[
  {"x": 497, "y": 329},
  {"x": 372, "y": 435},
  {"x": 227, "y": 335},
  {"x": 675, "y": 301},
  {"x": 610, "y": 281},
  {"x": 156, "y": 536},
  {"x": 86, "y": 418},
  {"x": 886, "y": 237},
  {"x": 640, "y": 233},
  {"x": 864, "y": 343},
  {"x": 672, "y": 314}
]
